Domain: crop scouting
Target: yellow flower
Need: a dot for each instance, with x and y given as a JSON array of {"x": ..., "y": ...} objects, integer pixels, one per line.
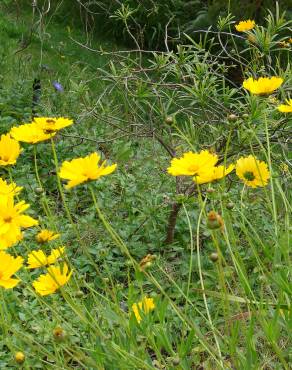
[
  {"x": 30, "y": 133},
  {"x": 46, "y": 235},
  {"x": 80, "y": 170},
  {"x": 286, "y": 108},
  {"x": 9, "y": 189},
  {"x": 252, "y": 172},
  {"x": 39, "y": 259},
  {"x": 262, "y": 86},
  {"x": 19, "y": 357},
  {"x": 51, "y": 124},
  {"x": 12, "y": 220},
  {"x": 192, "y": 164},
  {"x": 215, "y": 173},
  {"x": 55, "y": 278},
  {"x": 8, "y": 239},
  {"x": 9, "y": 266},
  {"x": 144, "y": 306},
  {"x": 244, "y": 26},
  {"x": 9, "y": 150},
  {"x": 290, "y": 40}
]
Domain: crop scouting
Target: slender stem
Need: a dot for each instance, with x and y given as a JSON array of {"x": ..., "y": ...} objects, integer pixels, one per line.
[
  {"x": 192, "y": 250},
  {"x": 118, "y": 241},
  {"x": 271, "y": 180},
  {"x": 203, "y": 204},
  {"x": 75, "y": 228},
  {"x": 44, "y": 200}
]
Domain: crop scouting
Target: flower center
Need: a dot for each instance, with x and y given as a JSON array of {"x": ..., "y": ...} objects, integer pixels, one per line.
[
  {"x": 50, "y": 130},
  {"x": 193, "y": 168},
  {"x": 8, "y": 219},
  {"x": 249, "y": 176},
  {"x": 5, "y": 158}
]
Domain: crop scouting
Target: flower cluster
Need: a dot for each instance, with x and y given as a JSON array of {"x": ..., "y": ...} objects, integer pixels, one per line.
[
  {"x": 13, "y": 220},
  {"x": 56, "y": 275},
  {"x": 202, "y": 166},
  {"x": 12, "y": 217},
  {"x": 40, "y": 129}
]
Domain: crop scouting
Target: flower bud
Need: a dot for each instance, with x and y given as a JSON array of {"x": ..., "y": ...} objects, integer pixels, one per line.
[
  {"x": 232, "y": 117},
  {"x": 176, "y": 361},
  {"x": 79, "y": 294},
  {"x": 59, "y": 334},
  {"x": 146, "y": 262},
  {"x": 39, "y": 190},
  {"x": 169, "y": 120},
  {"x": 19, "y": 357},
  {"x": 210, "y": 190},
  {"x": 230, "y": 205},
  {"x": 103, "y": 252},
  {"x": 245, "y": 115},
  {"x": 214, "y": 257}
]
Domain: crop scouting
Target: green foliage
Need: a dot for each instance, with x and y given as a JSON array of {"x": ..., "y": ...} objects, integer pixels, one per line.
[
  {"x": 149, "y": 22},
  {"x": 140, "y": 110}
]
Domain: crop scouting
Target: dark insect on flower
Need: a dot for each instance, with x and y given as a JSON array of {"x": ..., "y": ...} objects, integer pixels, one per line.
[{"x": 58, "y": 86}]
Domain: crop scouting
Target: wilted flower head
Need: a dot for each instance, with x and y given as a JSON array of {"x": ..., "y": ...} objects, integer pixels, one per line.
[
  {"x": 214, "y": 221},
  {"x": 146, "y": 262}
]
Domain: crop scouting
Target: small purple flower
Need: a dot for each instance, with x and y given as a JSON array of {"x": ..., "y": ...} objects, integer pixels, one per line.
[{"x": 58, "y": 86}]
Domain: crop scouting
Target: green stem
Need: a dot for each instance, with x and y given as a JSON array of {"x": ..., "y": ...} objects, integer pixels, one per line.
[
  {"x": 69, "y": 216},
  {"x": 203, "y": 204},
  {"x": 271, "y": 179},
  {"x": 192, "y": 250}
]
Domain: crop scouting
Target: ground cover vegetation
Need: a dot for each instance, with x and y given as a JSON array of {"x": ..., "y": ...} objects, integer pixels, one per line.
[{"x": 144, "y": 194}]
